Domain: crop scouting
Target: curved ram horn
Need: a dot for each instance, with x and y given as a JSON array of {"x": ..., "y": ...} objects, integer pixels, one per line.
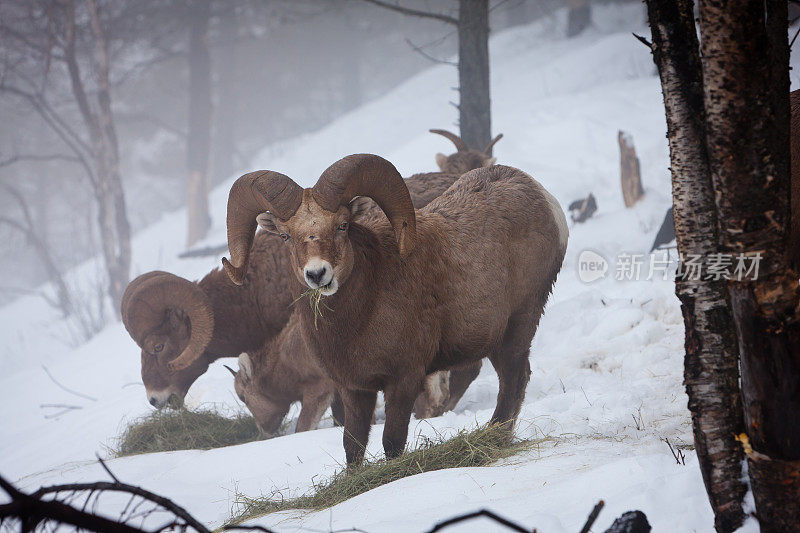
[
  {"x": 461, "y": 146},
  {"x": 232, "y": 371},
  {"x": 488, "y": 149},
  {"x": 375, "y": 177},
  {"x": 251, "y": 195},
  {"x": 146, "y": 308},
  {"x": 130, "y": 290}
]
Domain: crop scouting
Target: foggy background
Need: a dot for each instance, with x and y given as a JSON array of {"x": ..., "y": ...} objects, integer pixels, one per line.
[{"x": 275, "y": 69}]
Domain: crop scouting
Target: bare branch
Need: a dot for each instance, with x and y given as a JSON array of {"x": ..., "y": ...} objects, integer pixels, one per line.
[
  {"x": 166, "y": 503},
  {"x": 41, "y": 158},
  {"x": 86, "y": 396},
  {"x": 414, "y": 12},
  {"x": 108, "y": 470},
  {"x": 429, "y": 57},
  {"x": 644, "y": 41},
  {"x": 590, "y": 520}
]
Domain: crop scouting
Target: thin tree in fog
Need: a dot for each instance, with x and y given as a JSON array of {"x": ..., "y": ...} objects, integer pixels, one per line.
[
  {"x": 198, "y": 142},
  {"x": 472, "y": 23},
  {"x": 54, "y": 50}
]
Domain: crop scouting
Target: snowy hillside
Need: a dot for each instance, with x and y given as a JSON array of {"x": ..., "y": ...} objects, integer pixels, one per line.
[{"x": 607, "y": 360}]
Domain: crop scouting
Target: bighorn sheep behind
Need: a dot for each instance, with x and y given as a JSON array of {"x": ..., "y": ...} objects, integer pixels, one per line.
[
  {"x": 284, "y": 371},
  {"x": 465, "y": 159},
  {"x": 463, "y": 278}
]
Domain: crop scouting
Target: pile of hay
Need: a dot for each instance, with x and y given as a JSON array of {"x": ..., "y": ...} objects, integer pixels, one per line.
[
  {"x": 480, "y": 447},
  {"x": 182, "y": 429}
]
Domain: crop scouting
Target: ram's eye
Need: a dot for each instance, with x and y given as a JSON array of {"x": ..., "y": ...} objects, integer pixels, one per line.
[
  {"x": 158, "y": 347},
  {"x": 285, "y": 236},
  {"x": 343, "y": 226}
]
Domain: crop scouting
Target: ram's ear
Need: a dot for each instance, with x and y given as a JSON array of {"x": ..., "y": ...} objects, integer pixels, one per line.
[
  {"x": 489, "y": 162},
  {"x": 359, "y": 206},
  {"x": 441, "y": 161},
  {"x": 245, "y": 367},
  {"x": 266, "y": 221}
]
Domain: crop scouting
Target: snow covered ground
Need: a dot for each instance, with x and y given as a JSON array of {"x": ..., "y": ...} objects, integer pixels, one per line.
[{"x": 607, "y": 360}]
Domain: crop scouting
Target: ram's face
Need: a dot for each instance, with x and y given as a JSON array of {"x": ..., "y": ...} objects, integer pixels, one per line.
[
  {"x": 163, "y": 386},
  {"x": 322, "y": 254}
]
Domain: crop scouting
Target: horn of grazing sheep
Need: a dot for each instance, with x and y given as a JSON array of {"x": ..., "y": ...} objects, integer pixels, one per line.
[
  {"x": 130, "y": 290},
  {"x": 232, "y": 371},
  {"x": 488, "y": 149},
  {"x": 146, "y": 305},
  {"x": 375, "y": 177},
  {"x": 461, "y": 146},
  {"x": 251, "y": 195}
]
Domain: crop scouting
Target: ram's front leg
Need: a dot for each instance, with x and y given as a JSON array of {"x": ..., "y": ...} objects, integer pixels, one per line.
[
  {"x": 400, "y": 398},
  {"x": 316, "y": 401},
  {"x": 358, "y": 409}
]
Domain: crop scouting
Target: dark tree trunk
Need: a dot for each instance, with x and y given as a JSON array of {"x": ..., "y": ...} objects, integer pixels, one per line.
[
  {"x": 227, "y": 111},
  {"x": 711, "y": 372},
  {"x": 579, "y": 16},
  {"x": 746, "y": 91},
  {"x": 199, "y": 138},
  {"x": 473, "y": 73}
]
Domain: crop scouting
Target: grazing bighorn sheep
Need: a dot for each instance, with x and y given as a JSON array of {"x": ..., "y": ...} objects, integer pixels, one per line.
[
  {"x": 169, "y": 316},
  {"x": 176, "y": 321},
  {"x": 463, "y": 278},
  {"x": 465, "y": 159},
  {"x": 284, "y": 371}
]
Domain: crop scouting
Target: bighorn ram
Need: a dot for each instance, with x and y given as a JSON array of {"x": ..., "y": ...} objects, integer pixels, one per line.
[
  {"x": 190, "y": 325},
  {"x": 465, "y": 159},
  {"x": 463, "y": 278},
  {"x": 168, "y": 316}
]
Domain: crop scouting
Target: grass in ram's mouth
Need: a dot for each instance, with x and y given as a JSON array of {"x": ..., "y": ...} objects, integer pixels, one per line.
[
  {"x": 183, "y": 429},
  {"x": 479, "y": 447},
  {"x": 315, "y": 301}
]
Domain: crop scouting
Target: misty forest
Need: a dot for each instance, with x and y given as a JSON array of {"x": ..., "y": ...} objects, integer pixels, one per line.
[{"x": 400, "y": 265}]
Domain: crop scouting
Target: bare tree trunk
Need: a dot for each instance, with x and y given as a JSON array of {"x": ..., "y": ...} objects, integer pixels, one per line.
[
  {"x": 227, "y": 111},
  {"x": 630, "y": 173},
  {"x": 710, "y": 372},
  {"x": 746, "y": 91},
  {"x": 579, "y": 16},
  {"x": 112, "y": 214},
  {"x": 473, "y": 73},
  {"x": 199, "y": 138}
]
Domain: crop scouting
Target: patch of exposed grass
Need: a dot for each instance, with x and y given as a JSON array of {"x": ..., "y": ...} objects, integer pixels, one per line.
[
  {"x": 479, "y": 447},
  {"x": 183, "y": 429}
]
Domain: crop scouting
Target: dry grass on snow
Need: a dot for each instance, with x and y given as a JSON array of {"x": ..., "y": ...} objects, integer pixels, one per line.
[
  {"x": 183, "y": 429},
  {"x": 479, "y": 447}
]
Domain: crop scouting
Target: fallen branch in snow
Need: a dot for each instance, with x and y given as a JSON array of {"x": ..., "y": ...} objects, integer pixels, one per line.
[
  {"x": 677, "y": 453},
  {"x": 483, "y": 512},
  {"x": 630, "y": 522},
  {"x": 53, "y": 506},
  {"x": 64, "y": 408},
  {"x": 76, "y": 393},
  {"x": 593, "y": 516}
]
